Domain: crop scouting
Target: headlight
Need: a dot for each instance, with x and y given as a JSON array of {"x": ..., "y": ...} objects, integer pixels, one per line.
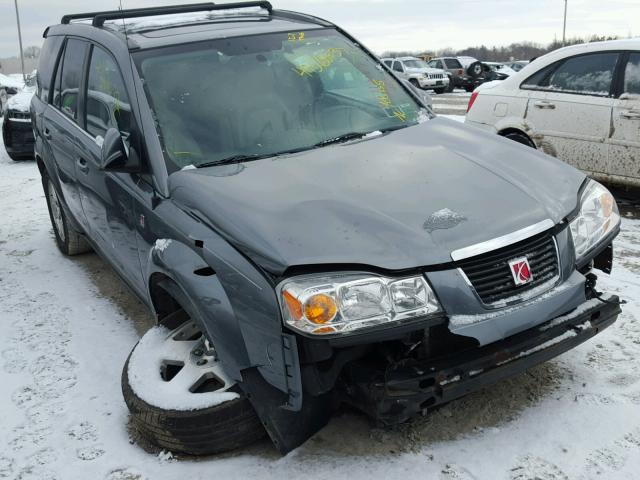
[
  {"x": 329, "y": 304},
  {"x": 598, "y": 217}
]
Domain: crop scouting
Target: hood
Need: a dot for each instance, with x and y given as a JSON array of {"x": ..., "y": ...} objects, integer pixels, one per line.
[
  {"x": 401, "y": 200},
  {"x": 424, "y": 70},
  {"x": 21, "y": 101}
]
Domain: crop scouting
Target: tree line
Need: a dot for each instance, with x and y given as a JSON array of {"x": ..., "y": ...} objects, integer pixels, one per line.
[{"x": 515, "y": 51}]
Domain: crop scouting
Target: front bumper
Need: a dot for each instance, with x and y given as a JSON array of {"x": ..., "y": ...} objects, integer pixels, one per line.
[
  {"x": 403, "y": 390},
  {"x": 18, "y": 137},
  {"x": 433, "y": 82}
]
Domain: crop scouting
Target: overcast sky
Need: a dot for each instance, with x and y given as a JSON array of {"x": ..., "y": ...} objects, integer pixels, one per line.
[{"x": 387, "y": 24}]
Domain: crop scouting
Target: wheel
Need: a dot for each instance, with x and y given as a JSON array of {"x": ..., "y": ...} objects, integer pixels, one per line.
[
  {"x": 179, "y": 396},
  {"x": 439, "y": 91},
  {"x": 469, "y": 88},
  {"x": 69, "y": 241},
  {"x": 451, "y": 86},
  {"x": 475, "y": 69},
  {"x": 414, "y": 82},
  {"x": 520, "y": 138},
  {"x": 17, "y": 158}
]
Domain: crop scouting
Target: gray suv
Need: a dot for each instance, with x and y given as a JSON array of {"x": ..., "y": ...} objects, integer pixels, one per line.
[
  {"x": 307, "y": 233},
  {"x": 465, "y": 72}
]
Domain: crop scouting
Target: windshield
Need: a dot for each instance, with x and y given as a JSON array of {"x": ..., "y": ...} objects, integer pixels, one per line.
[
  {"x": 415, "y": 64},
  {"x": 267, "y": 94}
]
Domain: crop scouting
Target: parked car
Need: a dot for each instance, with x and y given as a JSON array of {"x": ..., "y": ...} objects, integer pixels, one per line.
[
  {"x": 580, "y": 104},
  {"x": 419, "y": 73},
  {"x": 519, "y": 65},
  {"x": 305, "y": 231},
  {"x": 17, "y": 132},
  {"x": 500, "y": 71},
  {"x": 466, "y": 72},
  {"x": 8, "y": 87}
]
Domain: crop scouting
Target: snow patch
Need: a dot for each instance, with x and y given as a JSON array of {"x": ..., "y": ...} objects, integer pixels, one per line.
[
  {"x": 145, "y": 380},
  {"x": 162, "y": 244}
]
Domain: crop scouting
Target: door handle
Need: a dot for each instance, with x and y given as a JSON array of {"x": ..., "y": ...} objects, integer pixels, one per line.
[
  {"x": 83, "y": 166},
  {"x": 47, "y": 134},
  {"x": 631, "y": 114},
  {"x": 544, "y": 105}
]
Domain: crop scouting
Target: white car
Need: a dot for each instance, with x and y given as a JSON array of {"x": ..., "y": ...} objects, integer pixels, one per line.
[
  {"x": 580, "y": 104},
  {"x": 419, "y": 73}
]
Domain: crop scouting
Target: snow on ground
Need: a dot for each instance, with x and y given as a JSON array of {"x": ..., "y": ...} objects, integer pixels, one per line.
[{"x": 67, "y": 325}]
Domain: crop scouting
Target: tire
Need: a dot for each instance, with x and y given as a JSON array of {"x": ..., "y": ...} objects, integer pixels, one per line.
[
  {"x": 198, "y": 431},
  {"x": 16, "y": 158},
  {"x": 451, "y": 86},
  {"x": 469, "y": 88},
  {"x": 439, "y": 91},
  {"x": 520, "y": 138},
  {"x": 475, "y": 69},
  {"x": 69, "y": 241},
  {"x": 414, "y": 82}
]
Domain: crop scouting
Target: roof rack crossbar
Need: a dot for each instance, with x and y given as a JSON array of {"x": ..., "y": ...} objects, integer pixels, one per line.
[
  {"x": 66, "y": 19},
  {"x": 99, "y": 19}
]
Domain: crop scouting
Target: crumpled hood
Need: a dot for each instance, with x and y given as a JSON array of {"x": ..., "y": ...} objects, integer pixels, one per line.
[{"x": 402, "y": 200}]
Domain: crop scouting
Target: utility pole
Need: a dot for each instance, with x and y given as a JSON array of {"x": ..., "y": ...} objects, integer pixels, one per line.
[
  {"x": 24, "y": 77},
  {"x": 564, "y": 26}
]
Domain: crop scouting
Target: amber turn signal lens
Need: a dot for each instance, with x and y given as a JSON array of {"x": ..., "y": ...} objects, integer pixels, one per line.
[
  {"x": 320, "y": 308},
  {"x": 293, "y": 305}
]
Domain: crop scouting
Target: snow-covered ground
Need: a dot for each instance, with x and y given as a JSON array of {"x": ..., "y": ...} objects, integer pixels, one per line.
[{"x": 67, "y": 325}]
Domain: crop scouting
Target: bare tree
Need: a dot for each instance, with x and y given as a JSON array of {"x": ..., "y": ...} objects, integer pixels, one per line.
[{"x": 32, "y": 52}]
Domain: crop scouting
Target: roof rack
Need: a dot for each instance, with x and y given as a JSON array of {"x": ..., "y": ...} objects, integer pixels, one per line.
[
  {"x": 98, "y": 18},
  {"x": 66, "y": 19}
]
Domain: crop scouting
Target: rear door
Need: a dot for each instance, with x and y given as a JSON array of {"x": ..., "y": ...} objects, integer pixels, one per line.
[
  {"x": 624, "y": 148},
  {"x": 108, "y": 197},
  {"x": 569, "y": 109},
  {"x": 60, "y": 123}
]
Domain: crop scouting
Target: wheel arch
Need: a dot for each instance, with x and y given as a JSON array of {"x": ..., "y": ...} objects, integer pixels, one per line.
[{"x": 508, "y": 130}]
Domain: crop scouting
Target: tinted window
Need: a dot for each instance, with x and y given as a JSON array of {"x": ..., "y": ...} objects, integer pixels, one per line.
[
  {"x": 46, "y": 65},
  {"x": 397, "y": 66},
  {"x": 586, "y": 74},
  {"x": 388, "y": 63},
  {"x": 452, "y": 63},
  {"x": 71, "y": 76},
  {"x": 55, "y": 98},
  {"x": 107, "y": 100},
  {"x": 632, "y": 74}
]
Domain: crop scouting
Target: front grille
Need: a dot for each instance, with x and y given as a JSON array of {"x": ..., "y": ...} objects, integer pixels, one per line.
[
  {"x": 490, "y": 274},
  {"x": 436, "y": 75}
]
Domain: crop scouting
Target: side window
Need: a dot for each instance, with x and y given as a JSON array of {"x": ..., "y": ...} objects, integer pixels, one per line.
[
  {"x": 107, "y": 100},
  {"x": 397, "y": 66},
  {"x": 632, "y": 75},
  {"x": 586, "y": 74},
  {"x": 46, "y": 65},
  {"x": 452, "y": 63},
  {"x": 55, "y": 98},
  {"x": 72, "y": 67},
  {"x": 388, "y": 63}
]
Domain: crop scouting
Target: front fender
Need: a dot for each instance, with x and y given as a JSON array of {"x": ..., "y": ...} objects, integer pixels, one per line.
[{"x": 236, "y": 306}]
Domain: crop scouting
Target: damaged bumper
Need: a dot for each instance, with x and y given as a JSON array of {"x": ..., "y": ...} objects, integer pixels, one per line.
[{"x": 396, "y": 393}]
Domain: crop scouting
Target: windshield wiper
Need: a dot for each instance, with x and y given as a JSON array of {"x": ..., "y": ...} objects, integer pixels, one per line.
[
  {"x": 236, "y": 159},
  {"x": 342, "y": 138}
]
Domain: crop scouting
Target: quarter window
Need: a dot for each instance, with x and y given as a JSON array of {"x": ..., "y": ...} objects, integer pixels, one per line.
[
  {"x": 71, "y": 76},
  {"x": 632, "y": 74},
  {"x": 397, "y": 66},
  {"x": 586, "y": 74},
  {"x": 107, "y": 100}
]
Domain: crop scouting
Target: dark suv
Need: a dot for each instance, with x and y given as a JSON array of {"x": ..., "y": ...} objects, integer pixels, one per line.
[{"x": 306, "y": 231}]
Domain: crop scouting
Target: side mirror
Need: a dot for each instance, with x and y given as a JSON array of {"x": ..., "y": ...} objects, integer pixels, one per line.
[{"x": 115, "y": 155}]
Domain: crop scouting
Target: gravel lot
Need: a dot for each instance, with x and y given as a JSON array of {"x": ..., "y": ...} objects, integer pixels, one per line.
[{"x": 67, "y": 325}]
